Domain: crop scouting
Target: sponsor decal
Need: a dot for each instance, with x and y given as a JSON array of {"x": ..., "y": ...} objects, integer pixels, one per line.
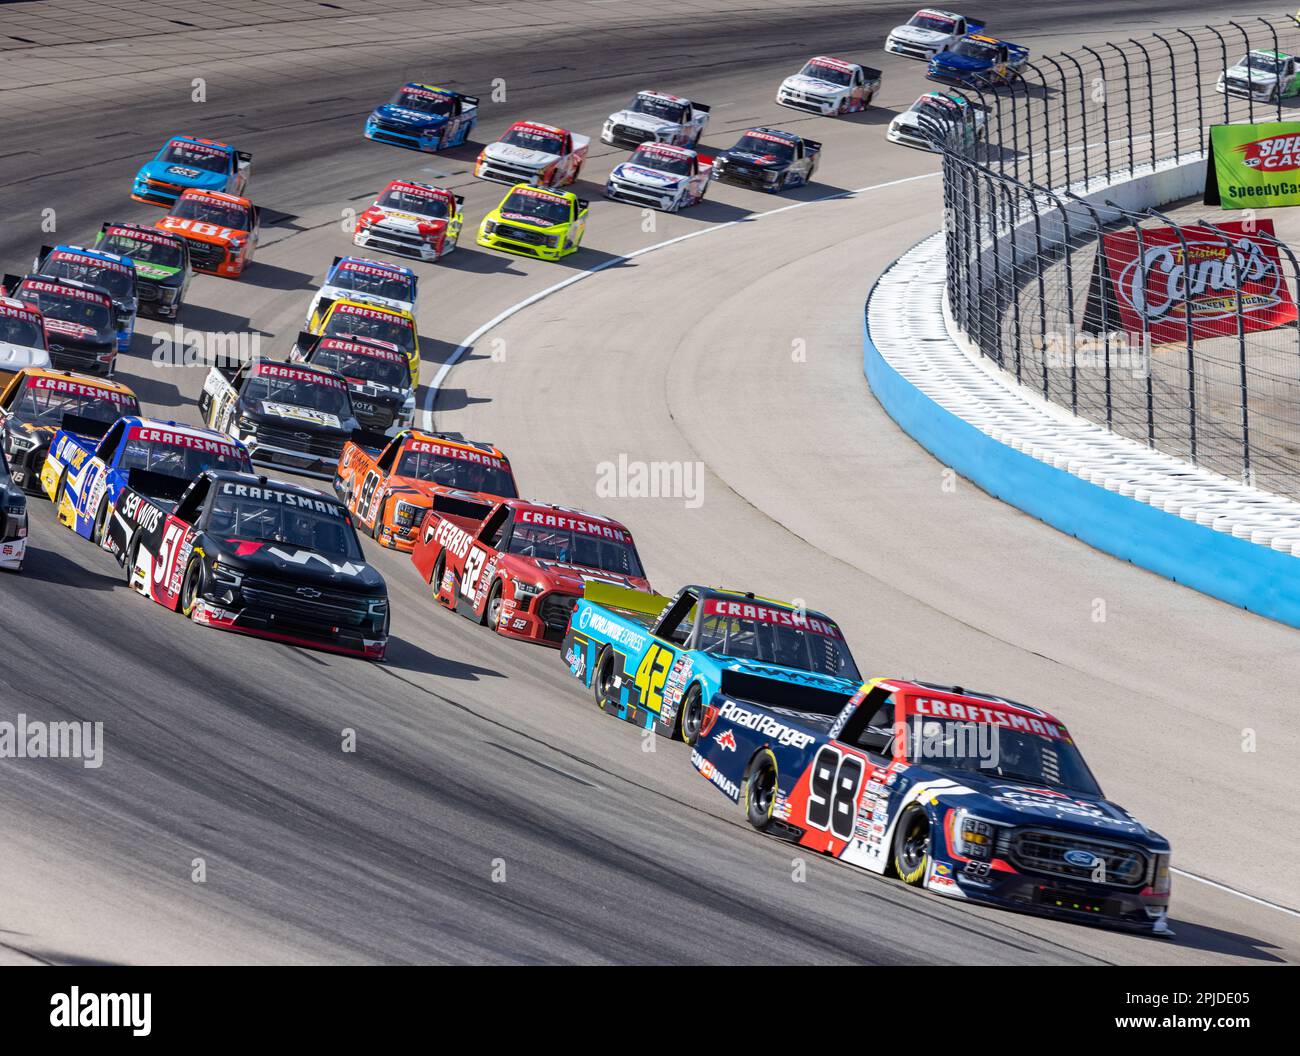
[
  {"x": 313, "y": 377},
  {"x": 766, "y": 725},
  {"x": 198, "y": 148},
  {"x": 193, "y": 441},
  {"x": 466, "y": 454},
  {"x": 419, "y": 190},
  {"x": 81, "y": 388},
  {"x": 138, "y": 234},
  {"x": 712, "y": 773},
  {"x": 1254, "y": 165},
  {"x": 579, "y": 523},
  {"x": 537, "y": 192},
  {"x": 611, "y": 630},
  {"x": 339, "y": 344},
  {"x": 141, "y": 512},
  {"x": 60, "y": 290},
  {"x": 365, "y": 267},
  {"x": 726, "y": 740},
  {"x": 372, "y": 313},
  {"x": 453, "y": 538},
  {"x": 68, "y": 256},
  {"x": 300, "y": 414},
  {"x": 282, "y": 498},
  {"x": 307, "y": 557},
  {"x": 748, "y": 610},
  {"x": 1154, "y": 289},
  {"x": 982, "y": 713}
]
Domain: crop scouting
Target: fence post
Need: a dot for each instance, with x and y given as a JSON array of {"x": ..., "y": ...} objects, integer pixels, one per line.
[
  {"x": 1200, "y": 90},
  {"x": 1029, "y": 120},
  {"x": 1189, "y": 334},
  {"x": 1233, "y": 257},
  {"x": 1250, "y": 72},
  {"x": 1223, "y": 50},
  {"x": 1065, "y": 124},
  {"x": 1133, "y": 220},
  {"x": 1013, "y": 297},
  {"x": 1097, "y": 226},
  {"x": 1173, "y": 78},
  {"x": 988, "y": 126},
  {"x": 1105, "y": 107},
  {"x": 1276, "y": 51},
  {"x": 1083, "y": 118},
  {"x": 1068, "y": 247},
  {"x": 1151, "y": 102},
  {"x": 1047, "y": 124},
  {"x": 1128, "y": 102}
]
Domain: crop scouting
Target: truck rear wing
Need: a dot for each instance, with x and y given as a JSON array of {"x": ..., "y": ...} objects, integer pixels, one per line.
[
  {"x": 469, "y": 100},
  {"x": 158, "y": 487},
  {"x": 461, "y": 505},
  {"x": 776, "y": 693},
  {"x": 871, "y": 75},
  {"x": 975, "y": 25},
  {"x": 702, "y": 108},
  {"x": 244, "y": 157},
  {"x": 371, "y": 443},
  {"x": 88, "y": 427},
  {"x": 811, "y": 146},
  {"x": 615, "y": 597}
]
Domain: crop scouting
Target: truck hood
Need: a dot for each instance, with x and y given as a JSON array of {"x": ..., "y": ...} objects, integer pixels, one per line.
[
  {"x": 652, "y": 178},
  {"x": 15, "y": 357},
  {"x": 813, "y": 85},
  {"x": 414, "y": 119},
  {"x": 1254, "y": 76},
  {"x": 155, "y": 272},
  {"x": 183, "y": 175},
  {"x": 288, "y": 563},
  {"x": 1020, "y": 803},
  {"x": 758, "y": 161},
  {"x": 646, "y": 122},
  {"x": 949, "y": 60},
  {"x": 338, "y": 293},
  {"x": 917, "y": 35},
  {"x": 789, "y": 674},
  {"x": 572, "y": 578},
  {"x": 522, "y": 156},
  {"x": 291, "y": 415}
]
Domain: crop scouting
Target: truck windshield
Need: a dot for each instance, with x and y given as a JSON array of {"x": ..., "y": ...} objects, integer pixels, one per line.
[
  {"x": 260, "y": 521},
  {"x": 664, "y": 109},
  {"x": 44, "y": 401},
  {"x": 825, "y": 72},
  {"x": 662, "y": 160},
  {"x": 118, "y": 282},
  {"x": 568, "y": 547},
  {"x": 196, "y": 156},
  {"x": 423, "y": 101},
  {"x": 22, "y": 329},
  {"x": 768, "y": 634},
  {"x": 452, "y": 472},
  {"x": 210, "y": 211}
]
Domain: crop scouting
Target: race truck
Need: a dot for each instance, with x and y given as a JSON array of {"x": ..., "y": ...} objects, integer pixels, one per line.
[
  {"x": 537, "y": 223},
  {"x": 830, "y": 86},
  {"x": 162, "y": 265},
  {"x": 767, "y": 159},
  {"x": 37, "y": 403},
  {"x": 220, "y": 231},
  {"x": 978, "y": 61},
  {"x": 189, "y": 163},
  {"x": 389, "y": 490},
  {"x": 378, "y": 377},
  {"x": 414, "y": 219},
  {"x": 423, "y": 117},
  {"x": 261, "y": 557},
  {"x": 535, "y": 154},
  {"x": 656, "y": 117},
  {"x": 288, "y": 414},
  {"x": 13, "y": 520},
  {"x": 366, "y": 282},
  {"x": 661, "y": 663},
  {"x": 84, "y": 476},
  {"x": 110, "y": 272},
  {"x": 22, "y": 337},
  {"x": 1267, "y": 76},
  {"x": 356, "y": 320},
  {"x": 928, "y": 32},
  {"x": 520, "y": 566},
  {"x": 662, "y": 177},
  {"x": 79, "y": 320},
  {"x": 968, "y": 795},
  {"x": 939, "y": 118}
]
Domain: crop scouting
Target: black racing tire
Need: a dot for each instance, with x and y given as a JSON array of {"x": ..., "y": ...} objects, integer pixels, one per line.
[
  {"x": 602, "y": 678},
  {"x": 435, "y": 581},
  {"x": 1274, "y": 97},
  {"x": 492, "y": 610},
  {"x": 132, "y": 552},
  {"x": 191, "y": 587},
  {"x": 101, "y": 523},
  {"x": 911, "y": 855},
  {"x": 843, "y": 108},
  {"x": 690, "y": 717},
  {"x": 58, "y": 491},
  {"x": 760, "y": 790}
]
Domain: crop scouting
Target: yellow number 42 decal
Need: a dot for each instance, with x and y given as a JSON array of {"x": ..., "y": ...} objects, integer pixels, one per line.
[{"x": 650, "y": 676}]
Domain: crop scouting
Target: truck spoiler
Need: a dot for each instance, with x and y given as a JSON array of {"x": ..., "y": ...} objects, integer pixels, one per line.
[
  {"x": 88, "y": 427},
  {"x": 703, "y": 108},
  {"x": 870, "y": 74},
  {"x": 158, "y": 487},
  {"x": 811, "y": 146},
  {"x": 614, "y": 597}
]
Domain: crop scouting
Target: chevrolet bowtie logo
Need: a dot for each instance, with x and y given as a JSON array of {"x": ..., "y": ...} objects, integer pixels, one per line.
[{"x": 308, "y": 592}]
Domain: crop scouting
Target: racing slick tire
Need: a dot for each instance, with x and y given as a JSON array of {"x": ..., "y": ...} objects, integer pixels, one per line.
[
  {"x": 101, "y": 523},
  {"x": 492, "y": 610},
  {"x": 191, "y": 587},
  {"x": 132, "y": 551},
  {"x": 691, "y": 717},
  {"x": 911, "y": 855},
  {"x": 435, "y": 581},
  {"x": 843, "y": 108},
  {"x": 58, "y": 492},
  {"x": 602, "y": 677},
  {"x": 760, "y": 790}
]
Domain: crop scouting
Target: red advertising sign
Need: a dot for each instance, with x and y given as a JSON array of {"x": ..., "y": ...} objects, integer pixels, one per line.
[{"x": 1206, "y": 274}]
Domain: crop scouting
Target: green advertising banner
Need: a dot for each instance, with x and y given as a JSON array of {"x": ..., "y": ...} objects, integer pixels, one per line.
[{"x": 1253, "y": 166}]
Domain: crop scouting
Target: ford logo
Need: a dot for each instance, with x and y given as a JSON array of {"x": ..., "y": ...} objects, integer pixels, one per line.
[{"x": 1083, "y": 859}]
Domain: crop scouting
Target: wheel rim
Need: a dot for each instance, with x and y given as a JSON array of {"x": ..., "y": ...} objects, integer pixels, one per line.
[
  {"x": 692, "y": 718},
  {"x": 494, "y": 606},
  {"x": 190, "y": 589},
  {"x": 915, "y": 846},
  {"x": 605, "y": 678},
  {"x": 762, "y": 789}
]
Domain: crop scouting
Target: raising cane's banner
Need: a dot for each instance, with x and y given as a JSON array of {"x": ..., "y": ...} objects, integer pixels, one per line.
[
  {"x": 1153, "y": 288},
  {"x": 1253, "y": 166}
]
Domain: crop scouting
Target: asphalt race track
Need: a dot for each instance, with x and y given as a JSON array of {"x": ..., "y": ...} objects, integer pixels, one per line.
[{"x": 489, "y": 812}]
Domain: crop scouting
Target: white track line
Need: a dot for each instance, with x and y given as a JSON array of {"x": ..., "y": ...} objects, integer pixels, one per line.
[
  {"x": 469, "y": 342},
  {"x": 436, "y": 385}
]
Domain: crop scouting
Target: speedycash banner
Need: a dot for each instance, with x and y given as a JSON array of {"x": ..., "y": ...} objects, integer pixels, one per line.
[
  {"x": 1253, "y": 166},
  {"x": 1152, "y": 286}
]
